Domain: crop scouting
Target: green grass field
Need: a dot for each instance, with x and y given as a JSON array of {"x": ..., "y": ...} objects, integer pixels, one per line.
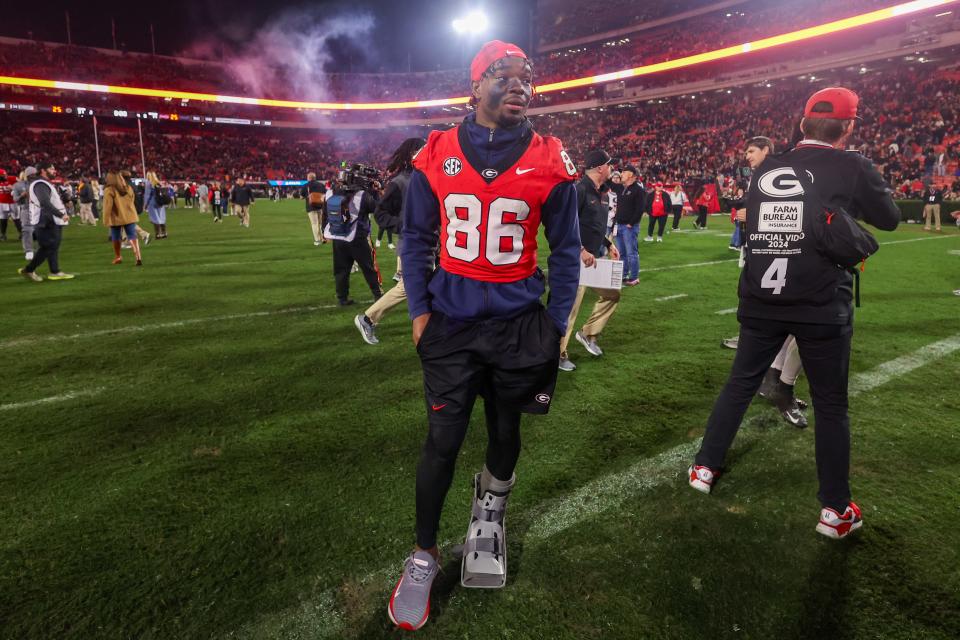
[{"x": 221, "y": 456}]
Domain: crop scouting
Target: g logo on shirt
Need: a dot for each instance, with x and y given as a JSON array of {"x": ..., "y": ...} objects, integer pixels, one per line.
[
  {"x": 452, "y": 166},
  {"x": 780, "y": 183}
]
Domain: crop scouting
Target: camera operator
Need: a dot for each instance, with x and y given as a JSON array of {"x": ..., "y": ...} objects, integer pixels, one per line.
[
  {"x": 348, "y": 212},
  {"x": 794, "y": 283}
]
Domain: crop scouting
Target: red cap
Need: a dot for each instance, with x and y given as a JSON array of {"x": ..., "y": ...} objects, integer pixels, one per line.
[
  {"x": 843, "y": 102},
  {"x": 490, "y": 53}
]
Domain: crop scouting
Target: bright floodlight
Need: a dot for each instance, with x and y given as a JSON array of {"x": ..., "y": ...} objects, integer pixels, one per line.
[{"x": 473, "y": 22}]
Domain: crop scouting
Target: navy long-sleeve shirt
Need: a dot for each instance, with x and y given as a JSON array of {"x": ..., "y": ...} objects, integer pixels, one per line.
[{"x": 470, "y": 300}]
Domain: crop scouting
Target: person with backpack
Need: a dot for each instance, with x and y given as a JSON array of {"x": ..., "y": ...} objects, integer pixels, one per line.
[
  {"x": 157, "y": 197},
  {"x": 314, "y": 196},
  {"x": 347, "y": 223},
  {"x": 802, "y": 241},
  {"x": 389, "y": 215}
]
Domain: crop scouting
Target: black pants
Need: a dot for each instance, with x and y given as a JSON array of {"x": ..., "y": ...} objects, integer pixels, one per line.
[
  {"x": 389, "y": 233},
  {"x": 825, "y": 354},
  {"x": 344, "y": 255},
  {"x": 512, "y": 364},
  {"x": 661, "y": 223},
  {"x": 702, "y": 216},
  {"x": 49, "y": 240},
  {"x": 677, "y": 212}
]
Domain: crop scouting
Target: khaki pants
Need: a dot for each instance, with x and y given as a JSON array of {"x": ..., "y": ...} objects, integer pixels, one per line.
[
  {"x": 242, "y": 212},
  {"x": 601, "y": 314},
  {"x": 204, "y": 205},
  {"x": 389, "y": 300},
  {"x": 86, "y": 213},
  {"x": 315, "y": 225},
  {"x": 928, "y": 210}
]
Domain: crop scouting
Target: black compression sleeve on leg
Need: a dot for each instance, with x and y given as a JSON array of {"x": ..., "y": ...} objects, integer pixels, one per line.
[
  {"x": 503, "y": 445},
  {"x": 435, "y": 473}
]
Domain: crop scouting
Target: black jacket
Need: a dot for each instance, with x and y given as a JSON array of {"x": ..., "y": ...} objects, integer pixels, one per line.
[
  {"x": 932, "y": 196},
  {"x": 630, "y": 204},
  {"x": 592, "y": 212},
  {"x": 389, "y": 212},
  {"x": 242, "y": 195},
  {"x": 842, "y": 180},
  {"x": 314, "y": 186},
  {"x": 86, "y": 193}
]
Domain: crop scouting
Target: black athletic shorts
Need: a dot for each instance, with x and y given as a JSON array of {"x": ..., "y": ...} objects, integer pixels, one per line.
[{"x": 510, "y": 361}]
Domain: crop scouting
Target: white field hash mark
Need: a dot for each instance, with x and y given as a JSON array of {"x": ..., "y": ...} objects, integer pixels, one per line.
[
  {"x": 673, "y": 297},
  {"x": 30, "y": 340},
  {"x": 724, "y": 312},
  {"x": 323, "y": 619},
  {"x": 70, "y": 395}
]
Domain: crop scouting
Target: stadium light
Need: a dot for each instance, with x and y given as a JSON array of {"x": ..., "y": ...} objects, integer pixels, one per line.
[
  {"x": 473, "y": 23},
  {"x": 836, "y": 26}
]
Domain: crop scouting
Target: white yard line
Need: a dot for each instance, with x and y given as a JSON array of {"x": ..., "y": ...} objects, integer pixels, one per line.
[
  {"x": 916, "y": 240},
  {"x": 673, "y": 297},
  {"x": 194, "y": 266},
  {"x": 322, "y": 617},
  {"x": 61, "y": 398},
  {"x": 724, "y": 312},
  {"x": 688, "y": 266},
  {"x": 870, "y": 380},
  {"x": 31, "y": 340}
]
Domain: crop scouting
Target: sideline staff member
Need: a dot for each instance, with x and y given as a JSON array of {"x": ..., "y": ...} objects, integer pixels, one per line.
[
  {"x": 846, "y": 181},
  {"x": 592, "y": 213}
]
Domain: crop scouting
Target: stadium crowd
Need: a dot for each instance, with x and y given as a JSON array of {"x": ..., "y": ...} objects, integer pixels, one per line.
[
  {"x": 910, "y": 131},
  {"x": 748, "y": 21}
]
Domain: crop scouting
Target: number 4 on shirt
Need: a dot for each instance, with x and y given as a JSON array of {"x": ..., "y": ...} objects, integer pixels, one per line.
[{"x": 776, "y": 276}]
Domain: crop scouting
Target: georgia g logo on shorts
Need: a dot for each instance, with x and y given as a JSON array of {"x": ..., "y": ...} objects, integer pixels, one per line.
[
  {"x": 452, "y": 166},
  {"x": 780, "y": 183},
  {"x": 543, "y": 398}
]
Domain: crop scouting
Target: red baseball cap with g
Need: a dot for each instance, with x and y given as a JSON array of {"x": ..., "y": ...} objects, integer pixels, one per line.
[
  {"x": 490, "y": 53},
  {"x": 843, "y": 104}
]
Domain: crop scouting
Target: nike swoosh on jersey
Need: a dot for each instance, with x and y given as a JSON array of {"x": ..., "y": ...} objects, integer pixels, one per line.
[
  {"x": 520, "y": 171},
  {"x": 437, "y": 407}
]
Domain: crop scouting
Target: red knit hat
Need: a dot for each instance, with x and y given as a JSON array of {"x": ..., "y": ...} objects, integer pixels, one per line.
[{"x": 490, "y": 53}]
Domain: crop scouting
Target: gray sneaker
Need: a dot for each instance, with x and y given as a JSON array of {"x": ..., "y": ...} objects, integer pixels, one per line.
[
  {"x": 30, "y": 275},
  {"x": 410, "y": 602},
  {"x": 367, "y": 330},
  {"x": 565, "y": 364},
  {"x": 590, "y": 344},
  {"x": 731, "y": 343}
]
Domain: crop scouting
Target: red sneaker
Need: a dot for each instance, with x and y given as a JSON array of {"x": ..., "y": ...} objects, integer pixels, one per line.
[
  {"x": 702, "y": 478},
  {"x": 835, "y": 525}
]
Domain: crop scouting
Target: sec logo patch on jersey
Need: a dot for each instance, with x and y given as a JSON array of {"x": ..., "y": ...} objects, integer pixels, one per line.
[{"x": 452, "y": 166}]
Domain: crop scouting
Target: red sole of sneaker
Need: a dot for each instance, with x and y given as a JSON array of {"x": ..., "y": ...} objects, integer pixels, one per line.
[{"x": 406, "y": 626}]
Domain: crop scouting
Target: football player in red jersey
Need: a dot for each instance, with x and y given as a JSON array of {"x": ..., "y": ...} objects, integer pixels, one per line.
[{"x": 481, "y": 191}]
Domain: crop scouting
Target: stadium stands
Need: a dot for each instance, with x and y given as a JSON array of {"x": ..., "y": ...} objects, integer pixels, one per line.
[{"x": 909, "y": 117}]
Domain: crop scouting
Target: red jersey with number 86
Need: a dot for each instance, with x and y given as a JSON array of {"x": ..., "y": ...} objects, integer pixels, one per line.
[{"x": 490, "y": 216}]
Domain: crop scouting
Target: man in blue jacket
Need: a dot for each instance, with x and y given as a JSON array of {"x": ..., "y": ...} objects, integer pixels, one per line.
[{"x": 480, "y": 192}]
